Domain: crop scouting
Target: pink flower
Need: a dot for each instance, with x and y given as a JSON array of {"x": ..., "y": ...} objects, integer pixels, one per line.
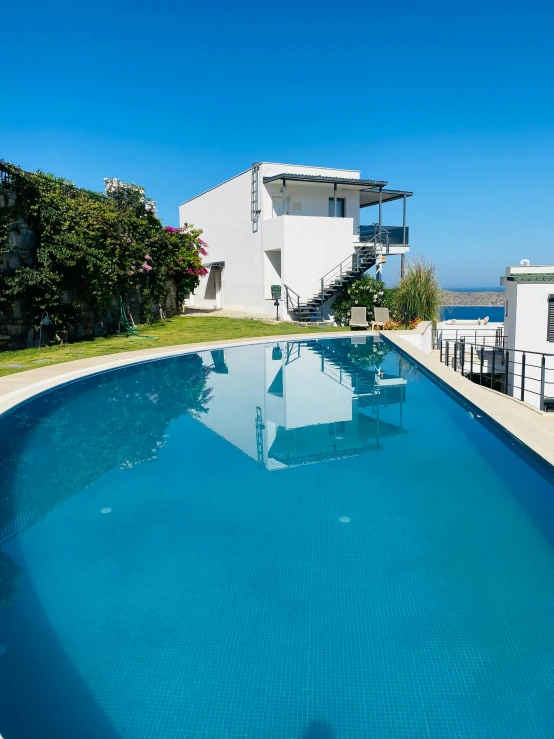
[
  {"x": 201, "y": 242},
  {"x": 189, "y": 270},
  {"x": 203, "y": 251},
  {"x": 141, "y": 270},
  {"x": 146, "y": 267},
  {"x": 147, "y": 256},
  {"x": 171, "y": 272},
  {"x": 130, "y": 273},
  {"x": 133, "y": 266},
  {"x": 128, "y": 240},
  {"x": 179, "y": 259}
]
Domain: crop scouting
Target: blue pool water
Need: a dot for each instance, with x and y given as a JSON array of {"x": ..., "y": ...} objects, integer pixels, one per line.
[
  {"x": 472, "y": 312},
  {"x": 288, "y": 541}
]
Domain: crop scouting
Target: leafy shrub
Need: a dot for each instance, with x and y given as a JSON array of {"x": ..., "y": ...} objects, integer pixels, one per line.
[
  {"x": 366, "y": 291},
  {"x": 90, "y": 247}
]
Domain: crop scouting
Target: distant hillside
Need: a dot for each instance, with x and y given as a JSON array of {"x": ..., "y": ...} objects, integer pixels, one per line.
[{"x": 469, "y": 298}]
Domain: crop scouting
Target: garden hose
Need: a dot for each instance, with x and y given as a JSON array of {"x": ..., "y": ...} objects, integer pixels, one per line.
[{"x": 124, "y": 321}]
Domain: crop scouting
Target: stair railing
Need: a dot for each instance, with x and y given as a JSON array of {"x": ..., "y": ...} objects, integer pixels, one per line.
[
  {"x": 353, "y": 263},
  {"x": 363, "y": 257},
  {"x": 292, "y": 299}
]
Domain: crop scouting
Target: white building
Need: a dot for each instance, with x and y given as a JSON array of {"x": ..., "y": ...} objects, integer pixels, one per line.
[
  {"x": 529, "y": 330},
  {"x": 290, "y": 230}
]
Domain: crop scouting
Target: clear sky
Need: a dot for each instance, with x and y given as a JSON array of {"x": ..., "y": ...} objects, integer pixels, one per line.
[{"x": 453, "y": 100}]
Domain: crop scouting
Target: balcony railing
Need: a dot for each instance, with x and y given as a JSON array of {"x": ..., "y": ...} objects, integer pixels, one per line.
[{"x": 397, "y": 235}]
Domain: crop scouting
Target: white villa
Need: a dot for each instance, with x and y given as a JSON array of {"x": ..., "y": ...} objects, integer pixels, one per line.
[{"x": 289, "y": 231}]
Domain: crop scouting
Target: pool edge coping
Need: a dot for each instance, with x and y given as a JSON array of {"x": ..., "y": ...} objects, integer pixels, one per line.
[
  {"x": 531, "y": 428},
  {"x": 20, "y": 387}
]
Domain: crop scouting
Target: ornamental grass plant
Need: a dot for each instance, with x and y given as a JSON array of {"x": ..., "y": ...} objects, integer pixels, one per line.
[{"x": 418, "y": 294}]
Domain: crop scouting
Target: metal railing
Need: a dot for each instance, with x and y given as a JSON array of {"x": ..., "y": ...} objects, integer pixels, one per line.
[
  {"x": 525, "y": 375},
  {"x": 353, "y": 263},
  {"x": 396, "y": 235},
  {"x": 493, "y": 336},
  {"x": 292, "y": 299},
  {"x": 361, "y": 259}
]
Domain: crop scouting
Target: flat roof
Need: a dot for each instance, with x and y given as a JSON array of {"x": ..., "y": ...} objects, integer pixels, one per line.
[
  {"x": 369, "y": 189},
  {"x": 531, "y": 277},
  {"x": 353, "y": 181}
]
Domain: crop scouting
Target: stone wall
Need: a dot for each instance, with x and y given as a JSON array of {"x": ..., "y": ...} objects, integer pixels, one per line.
[{"x": 17, "y": 330}]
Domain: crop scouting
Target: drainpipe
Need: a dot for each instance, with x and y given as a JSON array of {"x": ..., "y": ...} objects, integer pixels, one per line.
[
  {"x": 284, "y": 194},
  {"x": 335, "y": 198}
]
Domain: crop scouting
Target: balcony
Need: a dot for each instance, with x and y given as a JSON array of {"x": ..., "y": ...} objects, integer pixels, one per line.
[{"x": 391, "y": 235}]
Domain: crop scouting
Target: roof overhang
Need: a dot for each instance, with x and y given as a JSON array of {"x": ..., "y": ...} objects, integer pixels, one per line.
[
  {"x": 531, "y": 277},
  {"x": 214, "y": 265},
  {"x": 343, "y": 181},
  {"x": 371, "y": 197},
  {"x": 371, "y": 191}
]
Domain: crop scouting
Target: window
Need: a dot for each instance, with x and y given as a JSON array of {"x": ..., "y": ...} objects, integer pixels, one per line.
[
  {"x": 550, "y": 324},
  {"x": 341, "y": 207}
]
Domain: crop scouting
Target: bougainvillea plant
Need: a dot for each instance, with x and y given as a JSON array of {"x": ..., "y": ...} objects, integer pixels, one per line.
[{"x": 90, "y": 248}]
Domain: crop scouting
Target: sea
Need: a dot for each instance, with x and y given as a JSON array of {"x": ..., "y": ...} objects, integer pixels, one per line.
[
  {"x": 495, "y": 313},
  {"x": 472, "y": 312}
]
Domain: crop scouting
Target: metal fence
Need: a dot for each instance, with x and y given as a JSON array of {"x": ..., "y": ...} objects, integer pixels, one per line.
[
  {"x": 493, "y": 336},
  {"x": 525, "y": 375}
]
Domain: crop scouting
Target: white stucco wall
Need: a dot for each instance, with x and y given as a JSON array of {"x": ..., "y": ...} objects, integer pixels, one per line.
[
  {"x": 268, "y": 169},
  {"x": 308, "y": 199},
  {"x": 312, "y": 247},
  {"x": 526, "y": 329},
  {"x": 305, "y": 244},
  {"x": 223, "y": 214}
]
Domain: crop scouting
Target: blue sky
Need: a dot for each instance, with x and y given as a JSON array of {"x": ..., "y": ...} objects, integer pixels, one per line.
[{"x": 451, "y": 100}]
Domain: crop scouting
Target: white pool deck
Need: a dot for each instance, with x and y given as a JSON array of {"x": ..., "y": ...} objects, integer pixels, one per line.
[{"x": 530, "y": 426}]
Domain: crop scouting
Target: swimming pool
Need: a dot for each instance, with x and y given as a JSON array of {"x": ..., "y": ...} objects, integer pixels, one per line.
[{"x": 296, "y": 540}]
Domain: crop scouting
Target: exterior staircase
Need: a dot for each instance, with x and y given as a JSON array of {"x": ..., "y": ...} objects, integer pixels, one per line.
[
  {"x": 343, "y": 274},
  {"x": 364, "y": 257}
]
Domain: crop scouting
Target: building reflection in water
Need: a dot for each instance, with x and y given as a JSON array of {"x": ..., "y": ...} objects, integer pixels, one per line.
[{"x": 301, "y": 402}]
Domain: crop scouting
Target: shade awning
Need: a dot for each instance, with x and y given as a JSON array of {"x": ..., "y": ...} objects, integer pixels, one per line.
[
  {"x": 214, "y": 265},
  {"x": 368, "y": 189},
  {"x": 371, "y": 197},
  {"x": 343, "y": 181}
]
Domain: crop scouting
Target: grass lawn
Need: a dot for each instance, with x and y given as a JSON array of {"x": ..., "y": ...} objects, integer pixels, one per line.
[{"x": 177, "y": 330}]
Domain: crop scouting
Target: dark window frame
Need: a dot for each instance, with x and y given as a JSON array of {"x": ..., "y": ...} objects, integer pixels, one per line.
[
  {"x": 332, "y": 207},
  {"x": 550, "y": 319}
]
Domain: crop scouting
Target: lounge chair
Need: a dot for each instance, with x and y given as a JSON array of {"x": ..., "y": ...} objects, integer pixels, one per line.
[
  {"x": 382, "y": 316},
  {"x": 358, "y": 318}
]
